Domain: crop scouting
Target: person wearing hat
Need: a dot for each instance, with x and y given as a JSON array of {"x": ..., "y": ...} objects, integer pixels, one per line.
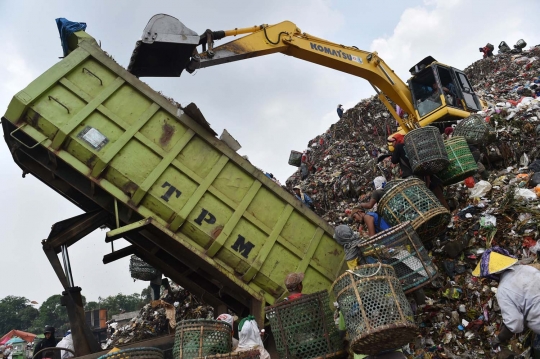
[
  {"x": 374, "y": 222},
  {"x": 293, "y": 283},
  {"x": 346, "y": 237},
  {"x": 48, "y": 342},
  {"x": 340, "y": 111},
  {"x": 379, "y": 183},
  {"x": 518, "y": 294},
  {"x": 399, "y": 155},
  {"x": 302, "y": 197}
]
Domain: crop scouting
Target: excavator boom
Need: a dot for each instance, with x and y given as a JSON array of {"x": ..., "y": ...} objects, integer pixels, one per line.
[{"x": 168, "y": 47}]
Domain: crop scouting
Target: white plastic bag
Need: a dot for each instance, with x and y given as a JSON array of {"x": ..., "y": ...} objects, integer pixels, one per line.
[
  {"x": 525, "y": 194},
  {"x": 480, "y": 189},
  {"x": 488, "y": 221},
  {"x": 524, "y": 160}
]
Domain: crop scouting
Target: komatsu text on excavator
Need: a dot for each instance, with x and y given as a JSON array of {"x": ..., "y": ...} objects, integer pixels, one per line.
[{"x": 435, "y": 91}]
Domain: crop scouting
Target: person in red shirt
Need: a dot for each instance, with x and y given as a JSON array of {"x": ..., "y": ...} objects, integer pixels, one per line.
[{"x": 293, "y": 283}]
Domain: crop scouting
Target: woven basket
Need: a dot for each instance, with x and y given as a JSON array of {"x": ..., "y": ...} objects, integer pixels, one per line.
[
  {"x": 376, "y": 312},
  {"x": 139, "y": 353},
  {"x": 246, "y": 354},
  {"x": 462, "y": 164},
  {"x": 141, "y": 270},
  {"x": 425, "y": 150},
  {"x": 410, "y": 200},
  {"x": 304, "y": 328},
  {"x": 400, "y": 247},
  {"x": 201, "y": 337},
  {"x": 475, "y": 130}
]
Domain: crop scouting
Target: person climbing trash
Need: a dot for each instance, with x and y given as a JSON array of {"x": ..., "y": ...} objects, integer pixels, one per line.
[
  {"x": 399, "y": 156},
  {"x": 518, "y": 294},
  {"x": 374, "y": 222},
  {"x": 487, "y": 50},
  {"x": 378, "y": 183},
  {"x": 340, "y": 111},
  {"x": 346, "y": 237},
  {"x": 293, "y": 283},
  {"x": 302, "y": 197}
]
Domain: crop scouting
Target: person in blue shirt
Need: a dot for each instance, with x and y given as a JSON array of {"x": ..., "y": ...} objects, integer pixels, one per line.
[
  {"x": 340, "y": 111},
  {"x": 303, "y": 197},
  {"x": 374, "y": 222}
]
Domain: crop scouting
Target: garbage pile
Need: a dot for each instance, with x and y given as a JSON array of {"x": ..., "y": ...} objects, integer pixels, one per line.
[
  {"x": 343, "y": 160},
  {"x": 159, "y": 317},
  {"x": 499, "y": 207}
]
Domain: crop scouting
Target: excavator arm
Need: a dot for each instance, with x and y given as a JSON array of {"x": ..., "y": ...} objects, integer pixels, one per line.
[{"x": 286, "y": 38}]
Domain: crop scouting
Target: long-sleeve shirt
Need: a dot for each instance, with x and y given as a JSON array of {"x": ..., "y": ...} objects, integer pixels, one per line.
[
  {"x": 518, "y": 296},
  {"x": 340, "y": 112},
  {"x": 399, "y": 156},
  {"x": 305, "y": 198}
]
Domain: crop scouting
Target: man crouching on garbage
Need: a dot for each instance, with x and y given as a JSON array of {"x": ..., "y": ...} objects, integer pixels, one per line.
[{"x": 518, "y": 293}]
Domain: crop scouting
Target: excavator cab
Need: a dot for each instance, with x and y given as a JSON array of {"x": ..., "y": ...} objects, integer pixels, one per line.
[{"x": 440, "y": 92}]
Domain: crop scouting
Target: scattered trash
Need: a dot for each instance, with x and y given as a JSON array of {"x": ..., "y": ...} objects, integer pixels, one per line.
[
  {"x": 497, "y": 205},
  {"x": 160, "y": 317}
]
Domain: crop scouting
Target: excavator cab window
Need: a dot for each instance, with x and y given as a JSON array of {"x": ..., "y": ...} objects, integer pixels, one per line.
[
  {"x": 426, "y": 93},
  {"x": 469, "y": 97},
  {"x": 451, "y": 93}
]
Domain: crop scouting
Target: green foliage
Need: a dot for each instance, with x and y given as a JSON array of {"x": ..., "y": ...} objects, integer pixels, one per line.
[
  {"x": 16, "y": 313},
  {"x": 52, "y": 313},
  {"x": 146, "y": 294},
  {"x": 115, "y": 304},
  {"x": 91, "y": 306}
]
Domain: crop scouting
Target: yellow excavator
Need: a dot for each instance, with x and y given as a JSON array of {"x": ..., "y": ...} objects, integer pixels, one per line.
[{"x": 435, "y": 92}]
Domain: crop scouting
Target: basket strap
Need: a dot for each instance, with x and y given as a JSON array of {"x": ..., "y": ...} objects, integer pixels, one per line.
[
  {"x": 366, "y": 276},
  {"x": 457, "y": 158}
]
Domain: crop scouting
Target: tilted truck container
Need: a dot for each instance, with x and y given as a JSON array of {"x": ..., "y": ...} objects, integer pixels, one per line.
[{"x": 190, "y": 205}]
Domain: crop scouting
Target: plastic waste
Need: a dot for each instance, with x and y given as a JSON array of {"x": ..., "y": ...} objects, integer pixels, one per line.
[
  {"x": 525, "y": 194},
  {"x": 480, "y": 189},
  {"x": 535, "y": 179},
  {"x": 488, "y": 221}
]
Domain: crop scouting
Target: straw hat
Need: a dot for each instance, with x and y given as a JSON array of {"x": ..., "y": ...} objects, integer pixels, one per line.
[{"x": 496, "y": 264}]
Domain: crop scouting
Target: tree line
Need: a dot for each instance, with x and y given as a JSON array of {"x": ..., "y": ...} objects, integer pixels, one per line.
[{"x": 19, "y": 313}]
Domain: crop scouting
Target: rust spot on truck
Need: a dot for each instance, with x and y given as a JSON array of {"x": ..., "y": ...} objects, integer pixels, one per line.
[
  {"x": 168, "y": 132},
  {"x": 335, "y": 252},
  {"x": 129, "y": 188},
  {"x": 216, "y": 232},
  {"x": 91, "y": 161},
  {"x": 32, "y": 118}
]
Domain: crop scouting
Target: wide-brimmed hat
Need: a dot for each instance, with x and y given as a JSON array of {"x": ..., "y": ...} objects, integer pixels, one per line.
[
  {"x": 297, "y": 187},
  {"x": 493, "y": 263},
  {"x": 293, "y": 279}
]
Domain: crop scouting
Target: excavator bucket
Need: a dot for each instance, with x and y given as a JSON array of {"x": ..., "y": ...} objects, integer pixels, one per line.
[{"x": 165, "y": 48}]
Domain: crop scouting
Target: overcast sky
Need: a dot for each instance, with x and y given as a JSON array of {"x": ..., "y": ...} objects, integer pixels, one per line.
[{"x": 271, "y": 105}]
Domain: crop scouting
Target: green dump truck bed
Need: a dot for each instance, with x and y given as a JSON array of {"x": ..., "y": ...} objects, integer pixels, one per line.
[{"x": 190, "y": 205}]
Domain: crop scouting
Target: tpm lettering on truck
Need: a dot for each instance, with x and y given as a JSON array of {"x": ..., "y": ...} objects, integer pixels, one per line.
[{"x": 241, "y": 246}]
